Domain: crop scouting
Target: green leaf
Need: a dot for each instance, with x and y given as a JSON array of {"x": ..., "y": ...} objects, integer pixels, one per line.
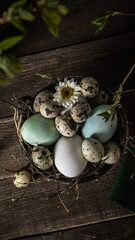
[
  {"x": 101, "y": 25},
  {"x": 51, "y": 26},
  {"x": 10, "y": 42},
  {"x": 18, "y": 4},
  {"x": 18, "y": 24},
  {"x": 97, "y": 21},
  {"x": 53, "y": 16},
  {"x": 54, "y": 30},
  {"x": 4, "y": 82},
  {"x": 117, "y": 94},
  {"x": 26, "y": 15},
  {"x": 62, "y": 9},
  {"x": 106, "y": 115},
  {"x": 43, "y": 75},
  {"x": 10, "y": 64}
]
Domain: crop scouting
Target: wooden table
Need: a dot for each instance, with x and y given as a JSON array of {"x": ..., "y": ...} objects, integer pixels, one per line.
[{"x": 107, "y": 56}]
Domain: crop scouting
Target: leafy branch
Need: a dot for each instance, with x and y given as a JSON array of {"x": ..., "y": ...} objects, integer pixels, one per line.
[
  {"x": 116, "y": 99},
  {"x": 9, "y": 63},
  {"x": 22, "y": 11},
  {"x": 102, "y": 21}
]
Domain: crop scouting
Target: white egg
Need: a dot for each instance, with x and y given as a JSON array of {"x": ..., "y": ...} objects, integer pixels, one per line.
[
  {"x": 68, "y": 157},
  {"x": 92, "y": 150}
]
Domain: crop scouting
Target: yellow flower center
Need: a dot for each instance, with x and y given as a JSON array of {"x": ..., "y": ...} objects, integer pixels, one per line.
[{"x": 67, "y": 93}]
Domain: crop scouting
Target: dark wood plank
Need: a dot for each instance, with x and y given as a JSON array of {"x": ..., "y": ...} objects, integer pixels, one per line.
[
  {"x": 11, "y": 156},
  {"x": 108, "y": 60},
  {"x": 112, "y": 230},
  {"x": 35, "y": 214},
  {"x": 76, "y": 27}
]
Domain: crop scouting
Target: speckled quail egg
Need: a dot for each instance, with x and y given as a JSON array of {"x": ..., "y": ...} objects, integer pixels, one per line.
[
  {"x": 50, "y": 109},
  {"x": 80, "y": 111},
  {"x": 112, "y": 152},
  {"x": 42, "y": 157},
  {"x": 92, "y": 150},
  {"x": 66, "y": 125},
  {"x": 40, "y": 98},
  {"x": 89, "y": 87},
  {"x": 101, "y": 98},
  {"x": 22, "y": 178}
]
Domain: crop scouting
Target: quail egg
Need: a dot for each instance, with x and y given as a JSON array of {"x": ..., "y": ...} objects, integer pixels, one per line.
[
  {"x": 66, "y": 125},
  {"x": 92, "y": 150},
  {"x": 42, "y": 157},
  {"x": 112, "y": 152},
  {"x": 22, "y": 178},
  {"x": 40, "y": 98},
  {"x": 89, "y": 87},
  {"x": 50, "y": 109},
  {"x": 80, "y": 111},
  {"x": 101, "y": 98}
]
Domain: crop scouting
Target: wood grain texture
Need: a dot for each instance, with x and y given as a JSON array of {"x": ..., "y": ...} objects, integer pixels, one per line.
[
  {"x": 11, "y": 156},
  {"x": 34, "y": 214},
  {"x": 76, "y": 27},
  {"x": 112, "y": 230},
  {"x": 108, "y": 60},
  {"x": 108, "y": 57}
]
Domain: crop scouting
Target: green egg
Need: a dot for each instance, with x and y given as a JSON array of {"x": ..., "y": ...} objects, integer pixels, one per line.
[{"x": 38, "y": 130}]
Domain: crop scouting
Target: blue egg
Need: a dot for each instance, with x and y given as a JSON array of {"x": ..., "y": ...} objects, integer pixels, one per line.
[
  {"x": 96, "y": 127},
  {"x": 38, "y": 130}
]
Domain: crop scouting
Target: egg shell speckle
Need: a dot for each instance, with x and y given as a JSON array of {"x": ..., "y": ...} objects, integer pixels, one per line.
[
  {"x": 89, "y": 87},
  {"x": 80, "y": 111},
  {"x": 42, "y": 157},
  {"x": 50, "y": 109},
  {"x": 101, "y": 98},
  {"x": 40, "y": 98},
  {"x": 92, "y": 150},
  {"x": 112, "y": 152},
  {"x": 66, "y": 125},
  {"x": 68, "y": 157}
]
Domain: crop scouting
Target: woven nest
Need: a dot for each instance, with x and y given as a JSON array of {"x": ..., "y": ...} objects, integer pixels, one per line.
[{"x": 23, "y": 109}]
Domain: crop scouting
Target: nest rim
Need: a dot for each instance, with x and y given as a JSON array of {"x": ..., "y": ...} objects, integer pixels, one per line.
[{"x": 53, "y": 173}]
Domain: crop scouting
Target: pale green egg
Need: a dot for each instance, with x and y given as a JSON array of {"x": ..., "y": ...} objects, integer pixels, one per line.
[
  {"x": 96, "y": 127},
  {"x": 38, "y": 130}
]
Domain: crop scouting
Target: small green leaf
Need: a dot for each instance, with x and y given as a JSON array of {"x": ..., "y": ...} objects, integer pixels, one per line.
[
  {"x": 18, "y": 24},
  {"x": 25, "y": 15},
  {"x": 43, "y": 75},
  {"x": 106, "y": 116},
  {"x": 117, "y": 94},
  {"x": 51, "y": 26},
  {"x": 54, "y": 17},
  {"x": 54, "y": 30},
  {"x": 18, "y": 4},
  {"x": 10, "y": 64},
  {"x": 4, "y": 82},
  {"x": 62, "y": 9},
  {"x": 10, "y": 42},
  {"x": 98, "y": 21},
  {"x": 101, "y": 25}
]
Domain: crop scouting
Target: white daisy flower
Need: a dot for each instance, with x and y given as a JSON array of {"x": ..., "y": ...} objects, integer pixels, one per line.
[{"x": 67, "y": 93}]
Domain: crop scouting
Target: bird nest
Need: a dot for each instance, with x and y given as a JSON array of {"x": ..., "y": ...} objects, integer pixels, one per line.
[{"x": 23, "y": 109}]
